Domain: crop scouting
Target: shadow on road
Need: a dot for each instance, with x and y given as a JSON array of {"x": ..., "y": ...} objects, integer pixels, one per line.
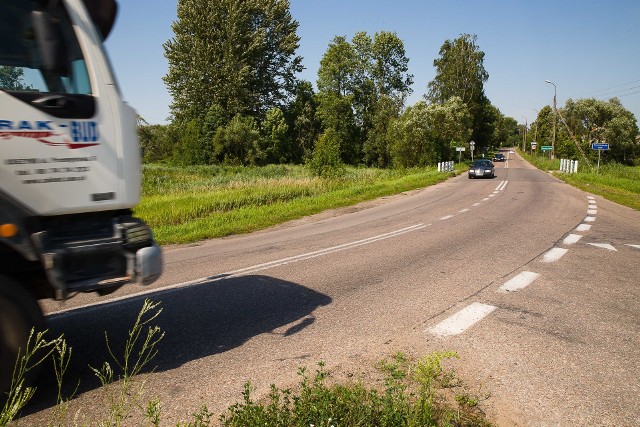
[{"x": 198, "y": 321}]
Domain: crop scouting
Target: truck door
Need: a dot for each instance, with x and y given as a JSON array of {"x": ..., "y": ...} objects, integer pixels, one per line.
[{"x": 59, "y": 143}]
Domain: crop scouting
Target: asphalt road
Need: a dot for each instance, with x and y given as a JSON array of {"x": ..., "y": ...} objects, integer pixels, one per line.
[{"x": 535, "y": 284}]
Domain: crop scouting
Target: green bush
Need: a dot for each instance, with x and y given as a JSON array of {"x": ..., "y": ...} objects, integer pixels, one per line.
[{"x": 326, "y": 161}]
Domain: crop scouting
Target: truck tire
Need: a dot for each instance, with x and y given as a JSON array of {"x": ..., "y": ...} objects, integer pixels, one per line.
[{"x": 19, "y": 313}]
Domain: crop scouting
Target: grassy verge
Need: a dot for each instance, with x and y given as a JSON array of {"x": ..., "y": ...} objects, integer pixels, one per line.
[
  {"x": 411, "y": 393},
  {"x": 620, "y": 184},
  {"x": 542, "y": 162},
  {"x": 189, "y": 204}
]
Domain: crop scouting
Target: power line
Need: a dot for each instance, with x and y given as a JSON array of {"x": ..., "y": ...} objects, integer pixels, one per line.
[
  {"x": 618, "y": 91},
  {"x": 627, "y": 94},
  {"x": 613, "y": 87}
]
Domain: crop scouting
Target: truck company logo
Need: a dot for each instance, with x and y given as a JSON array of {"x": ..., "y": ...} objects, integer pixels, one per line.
[{"x": 81, "y": 134}]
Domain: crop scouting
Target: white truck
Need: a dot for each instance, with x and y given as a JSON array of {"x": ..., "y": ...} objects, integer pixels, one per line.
[{"x": 70, "y": 167}]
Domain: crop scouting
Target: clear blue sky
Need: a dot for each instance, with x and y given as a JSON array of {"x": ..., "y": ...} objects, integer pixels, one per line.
[{"x": 588, "y": 48}]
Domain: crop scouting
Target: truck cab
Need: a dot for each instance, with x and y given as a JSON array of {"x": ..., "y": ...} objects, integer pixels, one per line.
[{"x": 70, "y": 166}]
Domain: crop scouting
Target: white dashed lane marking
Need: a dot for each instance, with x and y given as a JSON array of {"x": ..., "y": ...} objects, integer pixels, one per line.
[
  {"x": 472, "y": 314},
  {"x": 554, "y": 254},
  {"x": 518, "y": 282},
  {"x": 462, "y": 320},
  {"x": 571, "y": 239}
]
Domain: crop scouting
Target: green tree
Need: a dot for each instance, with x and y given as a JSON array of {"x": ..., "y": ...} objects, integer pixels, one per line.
[
  {"x": 460, "y": 72},
  {"x": 337, "y": 68},
  {"x": 390, "y": 66},
  {"x": 377, "y": 147},
  {"x": 238, "y": 55},
  {"x": 411, "y": 138},
  {"x": 335, "y": 97},
  {"x": 506, "y": 132},
  {"x": 449, "y": 126},
  {"x": 336, "y": 113},
  {"x": 360, "y": 74},
  {"x": 238, "y": 143},
  {"x": 11, "y": 78},
  {"x": 591, "y": 120},
  {"x": 542, "y": 127},
  {"x": 428, "y": 133},
  {"x": 302, "y": 122},
  {"x": 189, "y": 151},
  {"x": 215, "y": 118},
  {"x": 275, "y": 141},
  {"x": 326, "y": 156},
  {"x": 157, "y": 141}
]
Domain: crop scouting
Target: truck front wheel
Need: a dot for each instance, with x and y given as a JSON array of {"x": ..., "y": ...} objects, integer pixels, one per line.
[{"x": 19, "y": 313}]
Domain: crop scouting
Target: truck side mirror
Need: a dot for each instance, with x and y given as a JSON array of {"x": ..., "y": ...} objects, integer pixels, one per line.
[
  {"x": 103, "y": 14},
  {"x": 50, "y": 43}
]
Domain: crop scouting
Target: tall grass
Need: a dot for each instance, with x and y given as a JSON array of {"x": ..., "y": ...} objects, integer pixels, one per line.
[{"x": 194, "y": 203}]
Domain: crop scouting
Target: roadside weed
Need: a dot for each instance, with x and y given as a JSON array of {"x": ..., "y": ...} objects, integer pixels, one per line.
[
  {"x": 125, "y": 394},
  {"x": 407, "y": 393},
  {"x": 37, "y": 350},
  {"x": 411, "y": 396}
]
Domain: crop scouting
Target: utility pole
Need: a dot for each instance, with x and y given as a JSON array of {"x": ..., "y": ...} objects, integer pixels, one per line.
[
  {"x": 524, "y": 135},
  {"x": 535, "y": 132},
  {"x": 555, "y": 119}
]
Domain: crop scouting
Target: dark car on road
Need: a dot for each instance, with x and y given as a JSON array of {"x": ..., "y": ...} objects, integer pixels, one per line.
[
  {"x": 499, "y": 157},
  {"x": 482, "y": 168}
]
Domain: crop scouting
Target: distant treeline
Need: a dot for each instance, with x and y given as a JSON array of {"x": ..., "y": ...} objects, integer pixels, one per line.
[{"x": 237, "y": 99}]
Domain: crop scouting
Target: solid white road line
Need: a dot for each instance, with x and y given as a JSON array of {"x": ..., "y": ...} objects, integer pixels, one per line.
[
  {"x": 518, "y": 282},
  {"x": 502, "y": 186},
  {"x": 583, "y": 227},
  {"x": 254, "y": 268},
  {"x": 554, "y": 254},
  {"x": 462, "y": 320},
  {"x": 571, "y": 239}
]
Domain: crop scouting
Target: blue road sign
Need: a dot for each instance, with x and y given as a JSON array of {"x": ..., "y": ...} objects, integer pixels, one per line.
[{"x": 596, "y": 146}]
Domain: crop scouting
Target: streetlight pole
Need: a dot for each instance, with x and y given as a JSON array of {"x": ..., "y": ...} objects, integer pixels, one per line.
[
  {"x": 555, "y": 119},
  {"x": 535, "y": 132},
  {"x": 524, "y": 135}
]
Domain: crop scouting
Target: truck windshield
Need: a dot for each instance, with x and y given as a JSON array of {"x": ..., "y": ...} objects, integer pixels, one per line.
[{"x": 22, "y": 58}]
